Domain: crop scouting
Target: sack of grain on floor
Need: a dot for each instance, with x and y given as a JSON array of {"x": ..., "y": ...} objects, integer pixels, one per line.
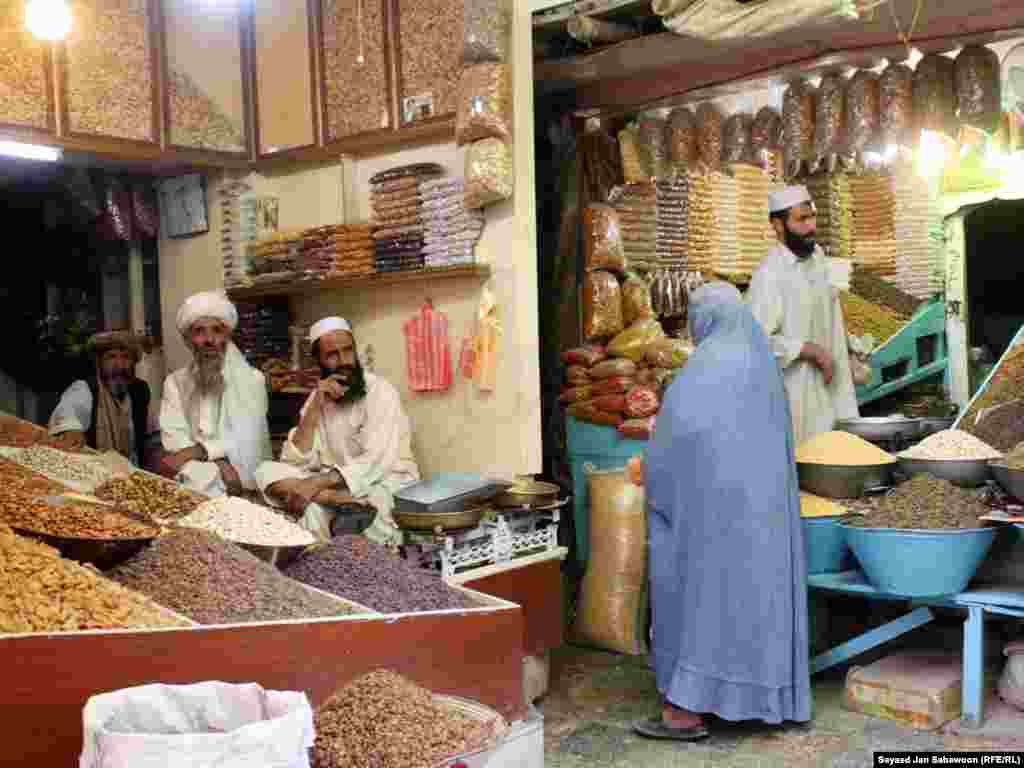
[{"x": 612, "y": 613}]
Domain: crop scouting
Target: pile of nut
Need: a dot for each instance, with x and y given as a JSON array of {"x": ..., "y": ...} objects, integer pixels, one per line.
[
  {"x": 41, "y": 592},
  {"x": 64, "y": 467},
  {"x": 384, "y": 720},
  {"x": 951, "y": 444},
  {"x": 14, "y": 477},
  {"x": 214, "y": 582},
  {"x": 72, "y": 519},
  {"x": 150, "y": 496},
  {"x": 367, "y": 573},
  {"x": 239, "y": 520}
]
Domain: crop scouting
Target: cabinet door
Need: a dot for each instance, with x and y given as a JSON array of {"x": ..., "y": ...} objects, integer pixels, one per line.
[
  {"x": 357, "y": 82},
  {"x": 284, "y": 75},
  {"x": 429, "y": 46},
  {"x": 25, "y": 100},
  {"x": 204, "y": 103},
  {"x": 108, "y": 73}
]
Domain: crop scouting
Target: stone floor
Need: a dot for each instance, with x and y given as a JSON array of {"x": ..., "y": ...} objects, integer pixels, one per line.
[{"x": 593, "y": 698}]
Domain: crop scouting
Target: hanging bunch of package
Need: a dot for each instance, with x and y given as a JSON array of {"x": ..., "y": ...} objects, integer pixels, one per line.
[
  {"x": 978, "y": 88},
  {"x": 766, "y": 138},
  {"x": 752, "y": 226},
  {"x": 873, "y": 245},
  {"x": 831, "y": 194},
  {"x": 672, "y": 198},
  {"x": 682, "y": 141},
  {"x": 863, "y": 115},
  {"x": 829, "y": 124},
  {"x": 896, "y": 87},
  {"x": 797, "y": 127},
  {"x": 915, "y": 259},
  {"x": 710, "y": 123},
  {"x": 653, "y": 136},
  {"x": 427, "y": 353},
  {"x": 935, "y": 95},
  {"x": 633, "y": 169},
  {"x": 737, "y": 139},
  {"x": 636, "y": 206},
  {"x": 726, "y": 207},
  {"x": 702, "y": 243},
  {"x": 602, "y": 239}
]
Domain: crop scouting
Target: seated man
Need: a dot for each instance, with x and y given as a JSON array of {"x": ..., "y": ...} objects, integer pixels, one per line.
[
  {"x": 108, "y": 411},
  {"x": 213, "y": 418},
  {"x": 353, "y": 437}
]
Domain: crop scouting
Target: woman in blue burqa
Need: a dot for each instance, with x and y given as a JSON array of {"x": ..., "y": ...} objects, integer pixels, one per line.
[{"x": 727, "y": 570}]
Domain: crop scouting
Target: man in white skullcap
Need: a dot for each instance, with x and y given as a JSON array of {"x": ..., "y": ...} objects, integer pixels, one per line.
[
  {"x": 213, "y": 418},
  {"x": 798, "y": 308},
  {"x": 352, "y": 448}
]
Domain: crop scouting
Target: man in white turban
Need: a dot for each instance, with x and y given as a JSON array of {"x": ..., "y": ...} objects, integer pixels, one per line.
[
  {"x": 798, "y": 308},
  {"x": 352, "y": 448},
  {"x": 213, "y": 418}
]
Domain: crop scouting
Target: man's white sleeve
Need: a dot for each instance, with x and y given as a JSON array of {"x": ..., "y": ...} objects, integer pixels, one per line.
[
  {"x": 766, "y": 304},
  {"x": 74, "y": 411}
]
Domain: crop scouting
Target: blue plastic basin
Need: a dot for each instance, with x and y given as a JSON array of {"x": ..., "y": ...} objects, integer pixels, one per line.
[
  {"x": 825, "y": 545},
  {"x": 919, "y": 563}
]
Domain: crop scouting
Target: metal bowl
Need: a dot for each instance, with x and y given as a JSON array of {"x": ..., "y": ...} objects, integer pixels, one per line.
[
  {"x": 102, "y": 553},
  {"x": 279, "y": 556},
  {"x": 932, "y": 424},
  {"x": 529, "y": 494},
  {"x": 1012, "y": 480},
  {"x": 429, "y": 521},
  {"x": 967, "y": 473},
  {"x": 842, "y": 482},
  {"x": 880, "y": 428}
]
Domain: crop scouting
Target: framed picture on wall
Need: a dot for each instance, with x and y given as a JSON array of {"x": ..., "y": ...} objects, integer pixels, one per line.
[{"x": 183, "y": 206}]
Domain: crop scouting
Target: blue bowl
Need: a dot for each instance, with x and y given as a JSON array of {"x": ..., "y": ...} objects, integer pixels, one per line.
[
  {"x": 825, "y": 545},
  {"x": 917, "y": 563}
]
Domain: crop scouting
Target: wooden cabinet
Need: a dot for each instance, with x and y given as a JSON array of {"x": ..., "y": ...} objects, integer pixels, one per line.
[
  {"x": 108, "y": 71},
  {"x": 25, "y": 92},
  {"x": 428, "y": 45}
]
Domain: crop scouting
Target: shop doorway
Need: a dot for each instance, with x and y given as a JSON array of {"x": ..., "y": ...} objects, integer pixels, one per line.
[{"x": 994, "y": 235}]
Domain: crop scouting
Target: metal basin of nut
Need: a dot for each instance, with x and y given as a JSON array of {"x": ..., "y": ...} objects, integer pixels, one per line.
[
  {"x": 836, "y": 481},
  {"x": 102, "y": 553},
  {"x": 967, "y": 473}
]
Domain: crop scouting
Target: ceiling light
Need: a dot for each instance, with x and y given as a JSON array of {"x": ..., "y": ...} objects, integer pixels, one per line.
[
  {"x": 48, "y": 19},
  {"x": 30, "y": 151}
]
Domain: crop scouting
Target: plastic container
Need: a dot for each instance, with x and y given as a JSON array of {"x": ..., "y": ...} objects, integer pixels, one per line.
[
  {"x": 825, "y": 544},
  {"x": 918, "y": 563}
]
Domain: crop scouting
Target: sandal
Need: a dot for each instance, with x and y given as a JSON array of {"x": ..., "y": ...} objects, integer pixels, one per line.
[{"x": 655, "y": 728}]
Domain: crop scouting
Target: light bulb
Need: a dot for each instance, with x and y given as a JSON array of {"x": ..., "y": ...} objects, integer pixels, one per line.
[{"x": 48, "y": 19}]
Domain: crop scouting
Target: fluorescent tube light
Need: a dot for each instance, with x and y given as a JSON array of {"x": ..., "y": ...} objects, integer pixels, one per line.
[{"x": 30, "y": 151}]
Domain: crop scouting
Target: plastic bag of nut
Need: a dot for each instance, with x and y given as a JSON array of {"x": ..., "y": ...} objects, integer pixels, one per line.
[
  {"x": 829, "y": 123},
  {"x": 484, "y": 31},
  {"x": 709, "y": 136},
  {"x": 602, "y": 241},
  {"x": 896, "y": 88},
  {"x": 797, "y": 126},
  {"x": 682, "y": 139},
  {"x": 736, "y": 139},
  {"x": 765, "y": 135},
  {"x": 602, "y": 305},
  {"x": 935, "y": 94},
  {"x": 651, "y": 132},
  {"x": 484, "y": 104},
  {"x": 863, "y": 111},
  {"x": 633, "y": 169},
  {"x": 489, "y": 176},
  {"x": 978, "y": 87}
]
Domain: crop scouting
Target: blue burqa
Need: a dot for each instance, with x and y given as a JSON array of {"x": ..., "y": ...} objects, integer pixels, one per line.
[{"x": 727, "y": 565}]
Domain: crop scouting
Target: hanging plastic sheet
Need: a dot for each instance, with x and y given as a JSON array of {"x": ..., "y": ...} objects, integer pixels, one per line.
[
  {"x": 729, "y": 19},
  {"x": 428, "y": 354}
]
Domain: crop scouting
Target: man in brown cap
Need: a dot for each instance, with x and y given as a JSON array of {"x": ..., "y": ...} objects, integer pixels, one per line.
[{"x": 108, "y": 411}]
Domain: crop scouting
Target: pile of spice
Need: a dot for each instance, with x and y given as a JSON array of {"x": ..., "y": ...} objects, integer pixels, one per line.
[
  {"x": 238, "y": 520},
  {"x": 42, "y": 592},
  {"x": 384, "y": 720},
  {"x": 812, "y": 505},
  {"x": 214, "y": 582},
  {"x": 951, "y": 444},
  {"x": 1006, "y": 384},
  {"x": 923, "y": 503},
  {"x": 367, "y": 573},
  {"x": 1002, "y": 426},
  {"x": 151, "y": 496},
  {"x": 865, "y": 318},
  {"x": 875, "y": 289},
  {"x": 841, "y": 449},
  {"x": 73, "y": 519}
]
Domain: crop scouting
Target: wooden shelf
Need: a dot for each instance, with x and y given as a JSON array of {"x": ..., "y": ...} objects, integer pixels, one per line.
[{"x": 317, "y": 285}]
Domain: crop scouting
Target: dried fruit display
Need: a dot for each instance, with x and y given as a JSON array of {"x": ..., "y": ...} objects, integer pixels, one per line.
[
  {"x": 484, "y": 108},
  {"x": 196, "y": 120},
  {"x": 736, "y": 139},
  {"x": 109, "y": 70},
  {"x": 709, "y": 135},
  {"x": 430, "y": 43},
  {"x": 77, "y": 520},
  {"x": 152, "y": 496},
  {"x": 863, "y": 111},
  {"x": 897, "y": 105},
  {"x": 935, "y": 94},
  {"x": 23, "y": 84},
  {"x": 797, "y": 126},
  {"x": 355, "y": 68},
  {"x": 978, "y": 87},
  {"x": 485, "y": 31},
  {"x": 682, "y": 139},
  {"x": 829, "y": 123}
]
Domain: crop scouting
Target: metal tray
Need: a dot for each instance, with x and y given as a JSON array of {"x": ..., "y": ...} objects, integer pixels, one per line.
[
  {"x": 449, "y": 492},
  {"x": 102, "y": 553},
  {"x": 430, "y": 521},
  {"x": 528, "y": 494}
]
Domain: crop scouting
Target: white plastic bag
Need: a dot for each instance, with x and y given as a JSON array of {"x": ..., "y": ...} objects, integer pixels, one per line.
[
  {"x": 1011, "y": 683},
  {"x": 184, "y": 726}
]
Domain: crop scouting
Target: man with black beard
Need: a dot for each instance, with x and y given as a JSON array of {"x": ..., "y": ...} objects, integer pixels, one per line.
[
  {"x": 351, "y": 449},
  {"x": 108, "y": 411},
  {"x": 798, "y": 308}
]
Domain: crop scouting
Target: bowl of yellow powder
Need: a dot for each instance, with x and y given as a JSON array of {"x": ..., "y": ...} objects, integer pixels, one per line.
[{"x": 840, "y": 465}]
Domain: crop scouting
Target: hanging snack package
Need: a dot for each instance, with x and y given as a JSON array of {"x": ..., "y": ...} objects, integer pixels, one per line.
[
  {"x": 935, "y": 94},
  {"x": 633, "y": 170},
  {"x": 637, "y": 429},
  {"x": 667, "y": 353},
  {"x": 610, "y": 403},
  {"x": 485, "y": 31},
  {"x": 797, "y": 126},
  {"x": 589, "y": 412},
  {"x": 576, "y": 394},
  {"x": 641, "y": 402},
  {"x": 489, "y": 176},
  {"x": 979, "y": 96},
  {"x": 602, "y": 239},
  {"x": 682, "y": 139},
  {"x": 652, "y": 133},
  {"x": 488, "y": 335},
  {"x": 896, "y": 88},
  {"x": 602, "y": 305},
  {"x": 633, "y": 342},
  {"x": 587, "y": 356},
  {"x": 765, "y": 135},
  {"x": 709, "y": 136},
  {"x": 829, "y": 124},
  {"x": 614, "y": 367},
  {"x": 577, "y": 375},
  {"x": 616, "y": 385},
  {"x": 863, "y": 112},
  {"x": 484, "y": 104},
  {"x": 736, "y": 139},
  {"x": 636, "y": 300}
]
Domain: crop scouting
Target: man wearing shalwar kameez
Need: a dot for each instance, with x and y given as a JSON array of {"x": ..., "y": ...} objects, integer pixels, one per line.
[
  {"x": 353, "y": 437},
  {"x": 727, "y": 570}
]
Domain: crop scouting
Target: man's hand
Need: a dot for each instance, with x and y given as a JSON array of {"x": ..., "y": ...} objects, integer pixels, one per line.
[
  {"x": 171, "y": 463},
  {"x": 71, "y": 440},
  {"x": 819, "y": 357},
  {"x": 333, "y": 388},
  {"x": 299, "y": 496},
  {"x": 229, "y": 475}
]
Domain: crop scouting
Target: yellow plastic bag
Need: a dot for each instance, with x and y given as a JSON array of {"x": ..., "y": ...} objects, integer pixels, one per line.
[
  {"x": 633, "y": 342},
  {"x": 485, "y": 363}
]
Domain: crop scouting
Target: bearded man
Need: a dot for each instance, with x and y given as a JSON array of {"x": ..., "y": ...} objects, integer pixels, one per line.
[
  {"x": 353, "y": 440},
  {"x": 213, "y": 418},
  {"x": 108, "y": 411},
  {"x": 791, "y": 296}
]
